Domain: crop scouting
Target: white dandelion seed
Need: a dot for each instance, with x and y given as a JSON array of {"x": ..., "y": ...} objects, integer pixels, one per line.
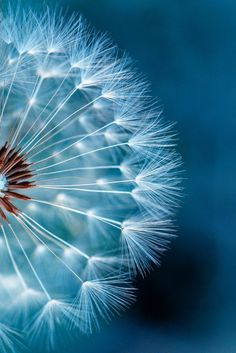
[{"x": 88, "y": 178}]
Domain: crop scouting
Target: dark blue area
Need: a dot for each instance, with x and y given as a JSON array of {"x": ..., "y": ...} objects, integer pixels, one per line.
[{"x": 187, "y": 49}]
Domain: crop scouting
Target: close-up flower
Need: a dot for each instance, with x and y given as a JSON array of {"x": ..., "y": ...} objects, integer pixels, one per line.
[
  {"x": 89, "y": 178},
  {"x": 117, "y": 188}
]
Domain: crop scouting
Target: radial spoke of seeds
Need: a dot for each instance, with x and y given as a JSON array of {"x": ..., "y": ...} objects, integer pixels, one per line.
[
  {"x": 57, "y": 130},
  {"x": 84, "y": 107},
  {"x": 58, "y": 143},
  {"x": 10, "y": 88},
  {"x": 75, "y": 143},
  {"x": 63, "y": 171},
  {"x": 45, "y": 107},
  {"x": 51, "y": 235},
  {"x": 14, "y": 264},
  {"x": 38, "y": 83},
  {"x": 91, "y": 184},
  {"x": 111, "y": 222},
  {"x": 44, "y": 235},
  {"x": 30, "y": 263},
  {"x": 51, "y": 118},
  {"x": 67, "y": 177},
  {"x": 27, "y": 110},
  {"x": 84, "y": 154},
  {"x": 88, "y": 190},
  {"x": 68, "y": 120},
  {"x": 24, "y": 224}
]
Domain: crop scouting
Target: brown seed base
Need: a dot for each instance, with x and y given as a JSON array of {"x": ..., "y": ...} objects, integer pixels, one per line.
[{"x": 16, "y": 169}]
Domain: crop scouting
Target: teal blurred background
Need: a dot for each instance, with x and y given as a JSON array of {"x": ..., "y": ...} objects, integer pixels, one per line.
[{"x": 187, "y": 49}]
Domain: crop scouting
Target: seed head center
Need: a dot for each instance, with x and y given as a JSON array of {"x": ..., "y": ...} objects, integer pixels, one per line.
[
  {"x": 3, "y": 183},
  {"x": 15, "y": 175}
]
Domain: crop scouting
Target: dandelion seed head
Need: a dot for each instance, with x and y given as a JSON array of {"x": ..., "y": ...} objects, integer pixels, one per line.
[{"x": 89, "y": 178}]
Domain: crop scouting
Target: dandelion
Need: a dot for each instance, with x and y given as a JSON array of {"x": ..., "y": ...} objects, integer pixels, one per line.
[{"x": 88, "y": 178}]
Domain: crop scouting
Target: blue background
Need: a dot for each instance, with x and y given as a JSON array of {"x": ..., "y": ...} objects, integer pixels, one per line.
[{"x": 187, "y": 49}]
